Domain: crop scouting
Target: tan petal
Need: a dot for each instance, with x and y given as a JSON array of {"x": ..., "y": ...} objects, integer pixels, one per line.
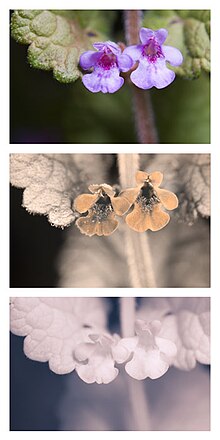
[
  {"x": 108, "y": 190},
  {"x": 158, "y": 218},
  {"x": 141, "y": 176},
  {"x": 123, "y": 202},
  {"x": 86, "y": 225},
  {"x": 84, "y": 202},
  {"x": 138, "y": 219},
  {"x": 108, "y": 226},
  {"x": 103, "y": 187},
  {"x": 156, "y": 178},
  {"x": 168, "y": 199},
  {"x": 94, "y": 188},
  {"x": 141, "y": 220},
  {"x": 90, "y": 227}
]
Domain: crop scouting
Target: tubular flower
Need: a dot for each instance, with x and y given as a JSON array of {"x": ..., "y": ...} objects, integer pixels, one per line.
[
  {"x": 148, "y": 200},
  {"x": 95, "y": 359},
  {"x": 100, "y": 219},
  {"x": 148, "y": 354},
  {"x": 107, "y": 64},
  {"x": 152, "y": 56}
]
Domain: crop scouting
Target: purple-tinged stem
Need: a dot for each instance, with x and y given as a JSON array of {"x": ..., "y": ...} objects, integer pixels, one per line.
[
  {"x": 132, "y": 20},
  {"x": 142, "y": 107}
]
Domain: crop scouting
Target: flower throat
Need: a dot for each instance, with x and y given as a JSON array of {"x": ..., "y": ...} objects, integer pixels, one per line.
[
  {"x": 152, "y": 50},
  {"x": 147, "y": 197},
  {"x": 102, "y": 208},
  {"x": 107, "y": 61}
]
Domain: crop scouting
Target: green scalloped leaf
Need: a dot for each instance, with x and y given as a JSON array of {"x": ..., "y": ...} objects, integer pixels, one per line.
[
  {"x": 189, "y": 31},
  {"x": 57, "y": 38}
]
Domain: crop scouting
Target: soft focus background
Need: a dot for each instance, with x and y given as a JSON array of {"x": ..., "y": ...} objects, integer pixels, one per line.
[
  {"x": 42, "y": 400},
  {"x": 46, "y": 111}
]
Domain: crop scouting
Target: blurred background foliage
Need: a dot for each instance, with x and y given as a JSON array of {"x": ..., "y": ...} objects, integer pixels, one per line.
[{"x": 46, "y": 111}]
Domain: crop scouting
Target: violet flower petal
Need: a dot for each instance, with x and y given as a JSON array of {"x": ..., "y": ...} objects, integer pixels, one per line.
[
  {"x": 145, "y": 34},
  {"x": 160, "y": 35},
  {"x": 125, "y": 62},
  {"x": 172, "y": 55},
  {"x": 141, "y": 78},
  {"x": 92, "y": 81},
  {"x": 152, "y": 75},
  {"x": 89, "y": 58},
  {"x": 113, "y": 47},
  {"x": 161, "y": 76},
  {"x": 134, "y": 51},
  {"x": 105, "y": 81}
]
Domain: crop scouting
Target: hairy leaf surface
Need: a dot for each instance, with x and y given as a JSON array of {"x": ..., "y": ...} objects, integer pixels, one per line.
[
  {"x": 52, "y": 181},
  {"x": 185, "y": 321},
  {"x": 188, "y": 175},
  {"x": 57, "y": 38},
  {"x": 54, "y": 326}
]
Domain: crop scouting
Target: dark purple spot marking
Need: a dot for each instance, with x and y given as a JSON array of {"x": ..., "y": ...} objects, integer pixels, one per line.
[
  {"x": 152, "y": 50},
  {"x": 107, "y": 61}
]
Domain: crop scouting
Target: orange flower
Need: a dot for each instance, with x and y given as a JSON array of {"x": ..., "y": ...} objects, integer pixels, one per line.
[
  {"x": 148, "y": 200},
  {"x": 100, "y": 219}
]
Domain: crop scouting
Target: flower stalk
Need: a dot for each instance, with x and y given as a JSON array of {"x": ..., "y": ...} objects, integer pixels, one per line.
[
  {"x": 136, "y": 244},
  {"x": 132, "y": 22},
  {"x": 127, "y": 316},
  {"x": 137, "y": 394},
  {"x": 142, "y": 107}
]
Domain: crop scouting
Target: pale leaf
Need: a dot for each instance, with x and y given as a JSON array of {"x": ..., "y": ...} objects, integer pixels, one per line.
[
  {"x": 52, "y": 181},
  {"x": 185, "y": 321},
  {"x": 54, "y": 326},
  {"x": 188, "y": 176}
]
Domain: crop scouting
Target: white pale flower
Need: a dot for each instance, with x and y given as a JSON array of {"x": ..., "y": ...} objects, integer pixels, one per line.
[
  {"x": 95, "y": 362},
  {"x": 148, "y": 354}
]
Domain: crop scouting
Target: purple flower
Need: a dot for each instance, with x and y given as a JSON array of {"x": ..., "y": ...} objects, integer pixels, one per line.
[
  {"x": 107, "y": 64},
  {"x": 152, "y": 56}
]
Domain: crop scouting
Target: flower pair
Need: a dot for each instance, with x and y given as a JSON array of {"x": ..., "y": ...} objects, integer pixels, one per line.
[
  {"x": 146, "y": 355},
  {"x": 146, "y": 201},
  {"x": 109, "y": 61}
]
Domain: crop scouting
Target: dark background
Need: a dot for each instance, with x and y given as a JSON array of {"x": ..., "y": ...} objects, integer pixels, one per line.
[{"x": 34, "y": 246}]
